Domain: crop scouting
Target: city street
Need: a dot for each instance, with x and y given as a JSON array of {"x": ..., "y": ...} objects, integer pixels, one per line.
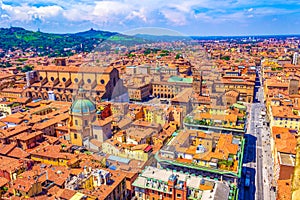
[{"x": 257, "y": 159}]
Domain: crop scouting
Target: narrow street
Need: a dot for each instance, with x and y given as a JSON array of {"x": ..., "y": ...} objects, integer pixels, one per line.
[{"x": 257, "y": 159}]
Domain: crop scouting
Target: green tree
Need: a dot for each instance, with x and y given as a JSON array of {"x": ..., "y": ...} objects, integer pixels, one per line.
[
  {"x": 27, "y": 68},
  {"x": 178, "y": 56},
  {"x": 225, "y": 58}
]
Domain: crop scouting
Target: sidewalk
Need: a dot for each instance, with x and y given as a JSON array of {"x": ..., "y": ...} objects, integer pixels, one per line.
[{"x": 267, "y": 161}]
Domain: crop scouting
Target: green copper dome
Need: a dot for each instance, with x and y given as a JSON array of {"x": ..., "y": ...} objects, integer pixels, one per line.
[{"x": 82, "y": 105}]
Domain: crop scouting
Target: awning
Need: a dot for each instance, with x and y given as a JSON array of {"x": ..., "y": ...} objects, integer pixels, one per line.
[{"x": 147, "y": 149}]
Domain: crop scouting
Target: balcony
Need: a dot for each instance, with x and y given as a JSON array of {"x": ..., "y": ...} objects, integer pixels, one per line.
[{"x": 157, "y": 185}]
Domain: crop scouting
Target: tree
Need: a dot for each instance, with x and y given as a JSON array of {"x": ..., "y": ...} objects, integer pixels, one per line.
[
  {"x": 225, "y": 58},
  {"x": 27, "y": 68},
  {"x": 147, "y": 51},
  {"x": 178, "y": 56}
]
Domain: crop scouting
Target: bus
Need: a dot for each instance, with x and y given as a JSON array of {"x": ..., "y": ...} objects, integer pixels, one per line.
[{"x": 247, "y": 179}]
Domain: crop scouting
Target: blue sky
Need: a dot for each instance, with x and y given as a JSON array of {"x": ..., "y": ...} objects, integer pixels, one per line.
[{"x": 188, "y": 17}]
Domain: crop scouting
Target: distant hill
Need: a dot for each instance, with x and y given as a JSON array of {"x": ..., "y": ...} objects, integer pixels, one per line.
[
  {"x": 164, "y": 38},
  {"x": 95, "y": 34},
  {"x": 59, "y": 44}
]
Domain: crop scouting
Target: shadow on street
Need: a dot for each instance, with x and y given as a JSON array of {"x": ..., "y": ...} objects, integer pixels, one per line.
[
  {"x": 250, "y": 149},
  {"x": 249, "y": 192}
]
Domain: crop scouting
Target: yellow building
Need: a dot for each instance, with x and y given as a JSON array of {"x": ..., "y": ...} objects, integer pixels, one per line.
[
  {"x": 87, "y": 183},
  {"x": 81, "y": 196},
  {"x": 138, "y": 152},
  {"x": 27, "y": 185},
  {"x": 155, "y": 114},
  {"x": 12, "y": 92},
  {"x": 10, "y": 107},
  {"x": 169, "y": 89},
  {"x": 52, "y": 155},
  {"x": 284, "y": 116},
  {"x": 82, "y": 115}
]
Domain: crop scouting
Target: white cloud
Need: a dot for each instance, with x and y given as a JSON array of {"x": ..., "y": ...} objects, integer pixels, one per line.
[
  {"x": 141, "y": 14},
  {"x": 115, "y": 12},
  {"x": 104, "y": 12},
  {"x": 5, "y": 16},
  {"x": 203, "y": 17},
  {"x": 79, "y": 12},
  {"x": 28, "y": 13},
  {"x": 174, "y": 17}
]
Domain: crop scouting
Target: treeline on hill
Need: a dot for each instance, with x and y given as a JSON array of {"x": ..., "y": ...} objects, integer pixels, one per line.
[{"x": 52, "y": 45}]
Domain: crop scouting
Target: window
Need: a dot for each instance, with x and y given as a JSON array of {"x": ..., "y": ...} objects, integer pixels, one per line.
[
  {"x": 52, "y": 78},
  {"x": 41, "y": 78},
  {"x": 96, "y": 136},
  {"x": 76, "y": 122},
  {"x": 102, "y": 81},
  {"x": 85, "y": 122},
  {"x": 89, "y": 81},
  {"x": 64, "y": 79},
  {"x": 76, "y": 80},
  {"x": 75, "y": 136},
  {"x": 178, "y": 195}
]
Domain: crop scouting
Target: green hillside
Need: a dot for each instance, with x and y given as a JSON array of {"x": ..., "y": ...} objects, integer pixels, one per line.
[{"x": 59, "y": 44}]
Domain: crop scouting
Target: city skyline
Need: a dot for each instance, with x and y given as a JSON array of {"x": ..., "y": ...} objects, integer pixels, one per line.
[{"x": 197, "y": 18}]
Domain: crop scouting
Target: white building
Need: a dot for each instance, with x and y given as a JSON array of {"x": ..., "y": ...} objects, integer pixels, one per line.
[{"x": 295, "y": 58}]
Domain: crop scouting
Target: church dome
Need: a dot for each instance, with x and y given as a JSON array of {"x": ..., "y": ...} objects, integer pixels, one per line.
[{"x": 82, "y": 105}]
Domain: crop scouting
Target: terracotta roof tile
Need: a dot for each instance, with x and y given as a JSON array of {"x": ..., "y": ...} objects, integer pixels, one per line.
[
  {"x": 284, "y": 189},
  {"x": 285, "y": 140}
]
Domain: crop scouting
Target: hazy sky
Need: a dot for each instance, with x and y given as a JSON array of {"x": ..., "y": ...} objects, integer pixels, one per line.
[{"x": 189, "y": 17}]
